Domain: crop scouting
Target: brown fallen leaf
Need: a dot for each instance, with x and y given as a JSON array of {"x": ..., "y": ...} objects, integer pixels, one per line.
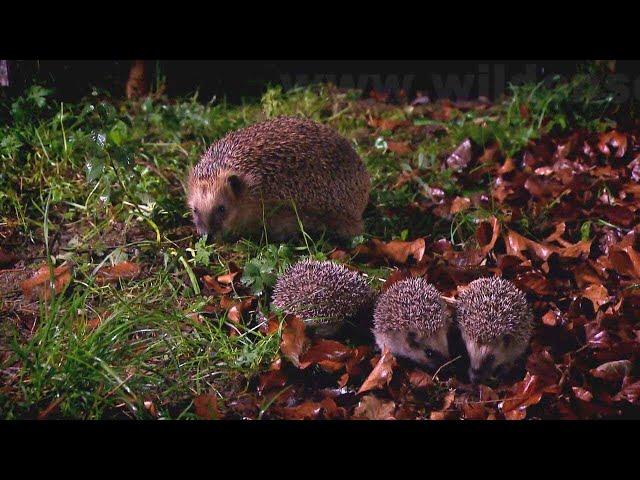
[
  {"x": 419, "y": 379},
  {"x": 381, "y": 374},
  {"x": 509, "y": 165},
  {"x": 206, "y": 406},
  {"x": 294, "y": 341},
  {"x": 387, "y": 123},
  {"x": 399, "y": 148},
  {"x": 460, "y": 204},
  {"x": 526, "y": 393},
  {"x": 615, "y": 140},
  {"x": 474, "y": 411},
  {"x": 51, "y": 408},
  {"x": 612, "y": 371},
  {"x": 487, "y": 234},
  {"x": 396, "y": 251},
  {"x": 624, "y": 258},
  {"x": 630, "y": 393},
  {"x": 40, "y": 283},
  {"x": 372, "y": 408},
  {"x": 305, "y": 411},
  {"x": 151, "y": 408},
  {"x": 461, "y": 156},
  {"x": 582, "y": 394},
  {"x": 227, "y": 279},
  {"x": 551, "y": 318},
  {"x": 215, "y": 285},
  {"x": 325, "y": 351},
  {"x": 120, "y": 271},
  {"x": 598, "y": 295},
  {"x": 396, "y": 276},
  {"x": 576, "y": 250},
  {"x": 616, "y": 214},
  {"x": 237, "y": 310},
  {"x": 516, "y": 244},
  {"x": 534, "y": 282},
  {"x": 446, "y": 412},
  {"x": 270, "y": 380},
  {"x": 586, "y": 275}
]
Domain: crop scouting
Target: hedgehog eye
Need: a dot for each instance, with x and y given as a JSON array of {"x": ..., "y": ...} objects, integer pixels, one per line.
[
  {"x": 429, "y": 353},
  {"x": 221, "y": 209}
]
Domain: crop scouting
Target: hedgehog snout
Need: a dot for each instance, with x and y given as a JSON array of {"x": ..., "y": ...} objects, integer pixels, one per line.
[{"x": 477, "y": 376}]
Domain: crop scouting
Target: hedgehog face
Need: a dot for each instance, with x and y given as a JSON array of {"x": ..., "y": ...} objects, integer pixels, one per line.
[
  {"x": 491, "y": 359},
  {"x": 430, "y": 350},
  {"x": 412, "y": 320},
  {"x": 215, "y": 203}
]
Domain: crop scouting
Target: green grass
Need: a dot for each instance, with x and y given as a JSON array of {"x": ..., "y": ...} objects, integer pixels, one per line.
[{"x": 102, "y": 181}]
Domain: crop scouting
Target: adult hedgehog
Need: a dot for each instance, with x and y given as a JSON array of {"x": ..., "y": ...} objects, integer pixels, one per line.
[{"x": 270, "y": 174}]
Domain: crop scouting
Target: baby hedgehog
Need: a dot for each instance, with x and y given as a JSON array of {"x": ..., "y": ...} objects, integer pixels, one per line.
[
  {"x": 496, "y": 324},
  {"x": 412, "y": 321},
  {"x": 324, "y": 294},
  {"x": 251, "y": 179}
]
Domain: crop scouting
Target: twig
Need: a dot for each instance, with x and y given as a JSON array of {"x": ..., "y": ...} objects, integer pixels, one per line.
[{"x": 435, "y": 375}]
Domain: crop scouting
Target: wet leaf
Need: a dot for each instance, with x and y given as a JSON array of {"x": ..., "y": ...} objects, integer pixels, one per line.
[
  {"x": 460, "y": 204},
  {"x": 598, "y": 295},
  {"x": 582, "y": 394},
  {"x": 294, "y": 341},
  {"x": 461, "y": 156},
  {"x": 387, "y": 123},
  {"x": 238, "y": 309},
  {"x": 612, "y": 371},
  {"x": 325, "y": 351},
  {"x": 487, "y": 234},
  {"x": 630, "y": 393},
  {"x": 270, "y": 380},
  {"x": 381, "y": 374},
  {"x": 52, "y": 408},
  {"x": 373, "y": 408},
  {"x": 419, "y": 379},
  {"x": 120, "y": 271},
  {"x": 305, "y": 411},
  {"x": 206, "y": 406},
  {"x": 40, "y": 283},
  {"x": 526, "y": 393},
  {"x": 396, "y": 251},
  {"x": 399, "y": 148},
  {"x": 613, "y": 140},
  {"x": 216, "y": 286}
]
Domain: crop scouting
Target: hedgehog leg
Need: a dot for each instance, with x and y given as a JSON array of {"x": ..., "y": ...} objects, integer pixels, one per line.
[
  {"x": 347, "y": 228},
  {"x": 283, "y": 226}
]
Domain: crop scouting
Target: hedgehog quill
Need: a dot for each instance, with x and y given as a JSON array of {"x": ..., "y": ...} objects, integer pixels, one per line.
[
  {"x": 273, "y": 175},
  {"x": 495, "y": 321}
]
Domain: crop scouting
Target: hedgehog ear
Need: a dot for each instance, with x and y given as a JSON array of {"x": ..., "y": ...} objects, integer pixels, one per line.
[{"x": 236, "y": 184}]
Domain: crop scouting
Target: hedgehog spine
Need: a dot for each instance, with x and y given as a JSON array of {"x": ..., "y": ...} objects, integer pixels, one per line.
[
  {"x": 495, "y": 321},
  {"x": 411, "y": 320}
]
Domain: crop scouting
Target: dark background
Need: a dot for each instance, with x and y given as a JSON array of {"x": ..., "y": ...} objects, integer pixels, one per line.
[{"x": 236, "y": 80}]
